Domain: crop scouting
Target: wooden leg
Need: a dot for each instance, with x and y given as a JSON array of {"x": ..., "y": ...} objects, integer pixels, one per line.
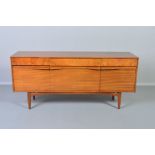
[
  {"x": 29, "y": 100},
  {"x": 34, "y": 97},
  {"x": 113, "y": 97},
  {"x": 119, "y": 100}
]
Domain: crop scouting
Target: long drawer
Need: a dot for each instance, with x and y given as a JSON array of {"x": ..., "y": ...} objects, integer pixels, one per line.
[
  {"x": 74, "y": 61},
  {"x": 55, "y": 62}
]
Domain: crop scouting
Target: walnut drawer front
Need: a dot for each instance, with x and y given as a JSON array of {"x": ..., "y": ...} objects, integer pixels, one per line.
[
  {"x": 30, "y": 61},
  {"x": 118, "y": 79},
  {"x": 75, "y": 79},
  {"x": 75, "y": 62},
  {"x": 31, "y": 78},
  {"x": 119, "y": 62}
]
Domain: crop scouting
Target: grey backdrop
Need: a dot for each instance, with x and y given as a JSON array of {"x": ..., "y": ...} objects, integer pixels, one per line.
[{"x": 139, "y": 40}]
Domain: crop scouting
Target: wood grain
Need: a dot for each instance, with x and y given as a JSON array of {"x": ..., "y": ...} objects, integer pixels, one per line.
[
  {"x": 32, "y": 78},
  {"x": 75, "y": 62},
  {"x": 75, "y": 79},
  {"x": 118, "y": 62},
  {"x": 30, "y": 61},
  {"x": 118, "y": 79},
  {"x": 74, "y": 73}
]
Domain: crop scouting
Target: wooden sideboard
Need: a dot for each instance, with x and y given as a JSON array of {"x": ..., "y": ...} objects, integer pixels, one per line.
[{"x": 40, "y": 73}]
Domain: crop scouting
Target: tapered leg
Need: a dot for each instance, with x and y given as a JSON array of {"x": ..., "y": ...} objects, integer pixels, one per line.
[
  {"x": 119, "y": 100},
  {"x": 113, "y": 97},
  {"x": 34, "y": 97},
  {"x": 29, "y": 100}
]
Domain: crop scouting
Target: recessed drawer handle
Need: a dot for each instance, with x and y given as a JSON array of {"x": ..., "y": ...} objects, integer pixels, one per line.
[
  {"x": 48, "y": 69},
  {"x": 74, "y": 68},
  {"x": 55, "y": 69},
  {"x": 87, "y": 68},
  {"x": 97, "y": 69},
  {"x": 42, "y": 69},
  {"x": 111, "y": 69}
]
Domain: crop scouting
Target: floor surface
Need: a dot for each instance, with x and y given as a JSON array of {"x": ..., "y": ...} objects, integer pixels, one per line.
[{"x": 77, "y": 111}]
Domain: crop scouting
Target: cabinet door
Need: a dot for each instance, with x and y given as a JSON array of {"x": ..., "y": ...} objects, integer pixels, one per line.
[
  {"x": 75, "y": 79},
  {"x": 118, "y": 79},
  {"x": 31, "y": 78}
]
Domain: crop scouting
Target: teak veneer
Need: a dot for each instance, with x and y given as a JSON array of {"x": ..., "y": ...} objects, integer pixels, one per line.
[{"x": 40, "y": 73}]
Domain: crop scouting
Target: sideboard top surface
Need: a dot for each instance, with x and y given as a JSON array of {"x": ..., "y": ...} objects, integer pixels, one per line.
[{"x": 74, "y": 54}]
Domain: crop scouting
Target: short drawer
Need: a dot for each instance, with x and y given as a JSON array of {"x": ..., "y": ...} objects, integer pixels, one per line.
[
  {"x": 119, "y": 62},
  {"x": 75, "y": 62},
  {"x": 30, "y": 61}
]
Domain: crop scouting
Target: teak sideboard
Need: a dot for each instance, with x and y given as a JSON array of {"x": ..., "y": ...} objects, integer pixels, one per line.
[{"x": 74, "y": 73}]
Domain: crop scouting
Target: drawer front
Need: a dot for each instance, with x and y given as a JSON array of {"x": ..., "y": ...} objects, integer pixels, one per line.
[
  {"x": 30, "y": 61},
  {"x": 75, "y": 79},
  {"x": 75, "y": 62},
  {"x": 119, "y": 62},
  {"x": 31, "y": 78},
  {"x": 118, "y": 79}
]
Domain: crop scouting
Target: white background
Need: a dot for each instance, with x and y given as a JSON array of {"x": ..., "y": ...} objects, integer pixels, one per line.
[
  {"x": 77, "y": 13},
  {"x": 138, "y": 40}
]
